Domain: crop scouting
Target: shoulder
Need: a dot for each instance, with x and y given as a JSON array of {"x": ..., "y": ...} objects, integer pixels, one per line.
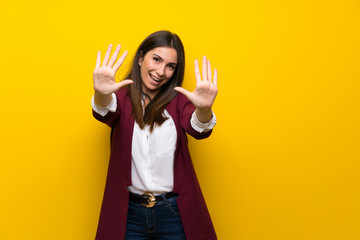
[
  {"x": 178, "y": 103},
  {"x": 123, "y": 97},
  {"x": 122, "y": 93},
  {"x": 181, "y": 98}
]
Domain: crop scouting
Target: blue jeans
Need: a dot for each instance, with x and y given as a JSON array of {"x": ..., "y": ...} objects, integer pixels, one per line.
[{"x": 159, "y": 222}]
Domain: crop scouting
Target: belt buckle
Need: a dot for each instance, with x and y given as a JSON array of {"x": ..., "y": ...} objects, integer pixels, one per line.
[{"x": 151, "y": 200}]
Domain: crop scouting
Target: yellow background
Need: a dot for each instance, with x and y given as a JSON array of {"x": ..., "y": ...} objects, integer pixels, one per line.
[{"x": 283, "y": 161}]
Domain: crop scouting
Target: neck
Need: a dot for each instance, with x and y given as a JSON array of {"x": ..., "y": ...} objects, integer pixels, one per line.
[{"x": 151, "y": 94}]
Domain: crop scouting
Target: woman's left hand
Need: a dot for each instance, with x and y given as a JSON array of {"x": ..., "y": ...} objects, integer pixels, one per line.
[{"x": 205, "y": 91}]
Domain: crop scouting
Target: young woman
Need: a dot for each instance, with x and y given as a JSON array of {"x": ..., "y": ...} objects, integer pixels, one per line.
[{"x": 152, "y": 191}]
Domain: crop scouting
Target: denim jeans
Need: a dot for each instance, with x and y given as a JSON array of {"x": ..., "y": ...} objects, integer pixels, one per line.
[{"x": 159, "y": 222}]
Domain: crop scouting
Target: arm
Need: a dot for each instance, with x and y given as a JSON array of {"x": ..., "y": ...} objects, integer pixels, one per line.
[
  {"x": 187, "y": 116},
  {"x": 200, "y": 126},
  {"x": 205, "y": 92}
]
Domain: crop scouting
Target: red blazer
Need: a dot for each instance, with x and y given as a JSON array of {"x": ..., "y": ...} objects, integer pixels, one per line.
[{"x": 193, "y": 211}]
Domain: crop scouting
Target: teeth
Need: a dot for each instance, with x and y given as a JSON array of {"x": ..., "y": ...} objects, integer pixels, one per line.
[{"x": 156, "y": 79}]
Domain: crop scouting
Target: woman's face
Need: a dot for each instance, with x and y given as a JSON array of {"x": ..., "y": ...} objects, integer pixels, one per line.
[{"x": 156, "y": 68}]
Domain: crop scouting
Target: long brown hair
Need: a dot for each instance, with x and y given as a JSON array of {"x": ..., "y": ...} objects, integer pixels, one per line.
[{"x": 153, "y": 113}]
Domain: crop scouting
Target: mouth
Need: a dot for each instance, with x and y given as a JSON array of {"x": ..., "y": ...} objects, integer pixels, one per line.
[{"x": 158, "y": 80}]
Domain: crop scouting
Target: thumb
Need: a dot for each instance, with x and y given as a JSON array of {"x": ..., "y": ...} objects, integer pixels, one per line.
[
  {"x": 122, "y": 84},
  {"x": 183, "y": 91}
]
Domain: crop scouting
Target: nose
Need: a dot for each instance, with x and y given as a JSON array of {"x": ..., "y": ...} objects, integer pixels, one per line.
[{"x": 161, "y": 70}]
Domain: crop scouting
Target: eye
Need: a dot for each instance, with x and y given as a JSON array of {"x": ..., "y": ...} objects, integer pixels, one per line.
[
  {"x": 172, "y": 66},
  {"x": 156, "y": 59}
]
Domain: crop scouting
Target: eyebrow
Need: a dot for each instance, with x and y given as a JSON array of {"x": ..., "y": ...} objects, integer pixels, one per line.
[{"x": 163, "y": 59}]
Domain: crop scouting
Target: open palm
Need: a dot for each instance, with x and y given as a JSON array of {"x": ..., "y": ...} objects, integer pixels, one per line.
[
  {"x": 104, "y": 75},
  {"x": 205, "y": 92}
]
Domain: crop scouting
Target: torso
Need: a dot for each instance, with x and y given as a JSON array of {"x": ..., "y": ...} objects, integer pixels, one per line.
[{"x": 152, "y": 160}]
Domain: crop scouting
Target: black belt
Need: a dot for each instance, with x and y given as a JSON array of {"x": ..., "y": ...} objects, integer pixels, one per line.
[{"x": 149, "y": 199}]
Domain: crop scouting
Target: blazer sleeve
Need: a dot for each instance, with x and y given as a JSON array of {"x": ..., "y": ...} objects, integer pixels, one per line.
[{"x": 186, "y": 109}]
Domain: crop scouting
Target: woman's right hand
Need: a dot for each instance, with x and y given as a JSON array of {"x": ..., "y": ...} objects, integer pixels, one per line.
[{"x": 104, "y": 75}]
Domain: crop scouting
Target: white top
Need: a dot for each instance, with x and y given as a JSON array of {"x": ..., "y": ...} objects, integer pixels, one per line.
[{"x": 152, "y": 165}]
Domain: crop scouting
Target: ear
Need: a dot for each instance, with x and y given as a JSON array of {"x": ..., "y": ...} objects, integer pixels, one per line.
[{"x": 141, "y": 58}]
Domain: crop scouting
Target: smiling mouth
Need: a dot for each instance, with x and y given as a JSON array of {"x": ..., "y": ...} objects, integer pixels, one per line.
[{"x": 155, "y": 79}]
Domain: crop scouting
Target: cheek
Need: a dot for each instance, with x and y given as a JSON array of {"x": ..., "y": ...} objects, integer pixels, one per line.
[
  {"x": 169, "y": 74},
  {"x": 144, "y": 70}
]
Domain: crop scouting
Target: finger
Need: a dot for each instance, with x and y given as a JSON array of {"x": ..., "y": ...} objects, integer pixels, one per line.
[
  {"x": 120, "y": 61},
  {"x": 107, "y": 55},
  {"x": 114, "y": 56},
  {"x": 215, "y": 77},
  {"x": 183, "y": 91},
  {"x": 98, "y": 60},
  {"x": 122, "y": 84},
  {"x": 209, "y": 71},
  {"x": 197, "y": 72},
  {"x": 204, "y": 69}
]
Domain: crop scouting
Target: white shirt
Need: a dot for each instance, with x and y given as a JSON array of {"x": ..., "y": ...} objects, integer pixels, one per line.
[{"x": 152, "y": 164}]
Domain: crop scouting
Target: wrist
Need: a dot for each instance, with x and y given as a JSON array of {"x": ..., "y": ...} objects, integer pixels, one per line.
[
  {"x": 203, "y": 110},
  {"x": 102, "y": 99},
  {"x": 203, "y": 114}
]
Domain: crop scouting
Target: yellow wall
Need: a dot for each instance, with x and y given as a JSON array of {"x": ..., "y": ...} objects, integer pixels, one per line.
[{"x": 283, "y": 161}]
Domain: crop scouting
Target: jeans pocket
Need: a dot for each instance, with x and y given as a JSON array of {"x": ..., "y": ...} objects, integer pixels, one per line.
[{"x": 173, "y": 208}]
